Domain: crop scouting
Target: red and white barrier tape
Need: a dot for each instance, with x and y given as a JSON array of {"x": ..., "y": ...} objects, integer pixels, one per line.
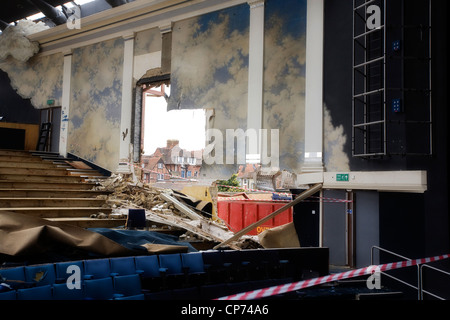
[{"x": 275, "y": 290}]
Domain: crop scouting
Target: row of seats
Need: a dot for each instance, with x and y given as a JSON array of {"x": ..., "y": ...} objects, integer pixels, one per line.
[
  {"x": 93, "y": 271},
  {"x": 147, "y": 266},
  {"x": 176, "y": 271},
  {"x": 112, "y": 288}
]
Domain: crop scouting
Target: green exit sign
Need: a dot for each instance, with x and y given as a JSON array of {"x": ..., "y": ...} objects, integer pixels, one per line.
[
  {"x": 50, "y": 102},
  {"x": 342, "y": 177}
]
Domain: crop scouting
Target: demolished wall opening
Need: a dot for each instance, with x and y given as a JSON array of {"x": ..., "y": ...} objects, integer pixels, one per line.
[{"x": 172, "y": 141}]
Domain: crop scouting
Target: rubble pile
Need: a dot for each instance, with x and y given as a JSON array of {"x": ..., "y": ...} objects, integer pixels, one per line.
[
  {"x": 126, "y": 193},
  {"x": 166, "y": 208}
]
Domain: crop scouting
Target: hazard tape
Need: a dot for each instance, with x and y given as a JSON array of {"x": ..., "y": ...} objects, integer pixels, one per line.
[{"x": 280, "y": 289}]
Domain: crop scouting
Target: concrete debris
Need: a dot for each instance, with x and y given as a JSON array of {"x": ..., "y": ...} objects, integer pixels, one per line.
[{"x": 169, "y": 209}]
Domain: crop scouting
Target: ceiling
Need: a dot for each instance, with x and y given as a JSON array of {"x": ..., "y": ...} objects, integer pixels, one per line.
[{"x": 13, "y": 10}]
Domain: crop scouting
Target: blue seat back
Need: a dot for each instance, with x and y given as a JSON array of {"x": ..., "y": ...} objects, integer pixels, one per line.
[
  {"x": 147, "y": 266},
  {"x": 63, "y": 270},
  {"x": 193, "y": 261},
  {"x": 129, "y": 285},
  {"x": 40, "y": 275},
  {"x": 96, "y": 268},
  {"x": 62, "y": 292},
  {"x": 36, "y": 293},
  {"x": 8, "y": 295},
  {"x": 99, "y": 289},
  {"x": 136, "y": 219},
  {"x": 172, "y": 262},
  {"x": 122, "y": 266},
  {"x": 17, "y": 273},
  {"x": 136, "y": 297}
]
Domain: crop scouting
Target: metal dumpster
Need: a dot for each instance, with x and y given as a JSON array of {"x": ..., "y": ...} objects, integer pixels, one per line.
[{"x": 239, "y": 214}]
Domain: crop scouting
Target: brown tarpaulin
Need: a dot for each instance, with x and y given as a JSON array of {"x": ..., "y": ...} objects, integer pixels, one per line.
[
  {"x": 283, "y": 236},
  {"x": 22, "y": 235}
]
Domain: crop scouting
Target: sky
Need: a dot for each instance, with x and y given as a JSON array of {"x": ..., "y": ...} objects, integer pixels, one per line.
[{"x": 188, "y": 126}]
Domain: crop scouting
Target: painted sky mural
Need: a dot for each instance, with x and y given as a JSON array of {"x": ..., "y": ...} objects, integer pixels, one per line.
[
  {"x": 96, "y": 99},
  {"x": 210, "y": 70},
  {"x": 284, "y": 77},
  {"x": 38, "y": 79},
  {"x": 210, "y": 58}
]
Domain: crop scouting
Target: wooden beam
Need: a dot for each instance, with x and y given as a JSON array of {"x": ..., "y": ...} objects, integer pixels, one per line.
[
  {"x": 180, "y": 206},
  {"x": 298, "y": 199}
]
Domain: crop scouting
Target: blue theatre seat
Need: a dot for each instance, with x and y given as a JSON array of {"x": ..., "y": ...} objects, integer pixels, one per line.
[
  {"x": 36, "y": 293},
  {"x": 147, "y": 266},
  {"x": 96, "y": 269},
  {"x": 136, "y": 219},
  {"x": 99, "y": 289},
  {"x": 40, "y": 275},
  {"x": 62, "y": 292},
  {"x": 8, "y": 295},
  {"x": 128, "y": 285},
  {"x": 122, "y": 266},
  {"x": 64, "y": 270}
]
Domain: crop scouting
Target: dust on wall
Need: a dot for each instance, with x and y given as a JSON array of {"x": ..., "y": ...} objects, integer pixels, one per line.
[
  {"x": 38, "y": 78},
  {"x": 335, "y": 158}
]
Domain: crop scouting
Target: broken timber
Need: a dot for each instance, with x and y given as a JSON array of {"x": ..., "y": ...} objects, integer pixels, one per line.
[
  {"x": 179, "y": 222},
  {"x": 183, "y": 208},
  {"x": 305, "y": 194}
]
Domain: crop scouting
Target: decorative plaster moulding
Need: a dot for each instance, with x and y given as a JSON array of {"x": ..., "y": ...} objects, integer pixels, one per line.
[{"x": 120, "y": 21}]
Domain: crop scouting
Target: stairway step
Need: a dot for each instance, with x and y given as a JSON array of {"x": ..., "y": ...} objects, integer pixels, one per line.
[
  {"x": 40, "y": 178},
  {"x": 55, "y": 212},
  {"x": 6, "y": 152},
  {"x": 19, "y": 158},
  {"x": 28, "y": 165},
  {"x": 50, "y": 193},
  {"x": 44, "y": 153},
  {"x": 46, "y": 185},
  {"x": 50, "y": 202},
  {"x": 91, "y": 222},
  {"x": 35, "y": 172}
]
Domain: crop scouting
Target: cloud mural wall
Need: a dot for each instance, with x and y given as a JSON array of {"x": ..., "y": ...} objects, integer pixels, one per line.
[
  {"x": 210, "y": 69},
  {"x": 95, "y": 106},
  {"x": 210, "y": 58},
  {"x": 38, "y": 79},
  {"x": 284, "y": 77}
]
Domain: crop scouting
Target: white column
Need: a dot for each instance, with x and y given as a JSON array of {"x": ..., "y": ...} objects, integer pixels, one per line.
[
  {"x": 126, "y": 152},
  {"x": 313, "y": 161},
  {"x": 65, "y": 103},
  {"x": 255, "y": 78}
]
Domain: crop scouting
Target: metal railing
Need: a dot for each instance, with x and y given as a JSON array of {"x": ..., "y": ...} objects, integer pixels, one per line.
[
  {"x": 420, "y": 279},
  {"x": 422, "y": 291},
  {"x": 419, "y": 282}
]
